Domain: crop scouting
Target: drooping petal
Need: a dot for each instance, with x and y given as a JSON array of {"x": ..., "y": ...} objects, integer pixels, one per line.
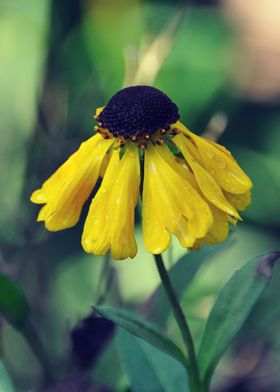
[
  {"x": 220, "y": 163},
  {"x": 110, "y": 221},
  {"x": 156, "y": 236},
  {"x": 123, "y": 201},
  {"x": 219, "y": 230},
  {"x": 67, "y": 170},
  {"x": 170, "y": 204},
  {"x": 241, "y": 202},
  {"x": 66, "y": 191},
  {"x": 95, "y": 238},
  {"x": 206, "y": 182},
  {"x": 193, "y": 224}
]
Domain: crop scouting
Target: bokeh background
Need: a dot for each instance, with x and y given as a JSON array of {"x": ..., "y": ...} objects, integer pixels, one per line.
[{"x": 219, "y": 61}]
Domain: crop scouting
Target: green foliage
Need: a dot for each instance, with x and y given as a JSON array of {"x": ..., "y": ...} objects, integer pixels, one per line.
[
  {"x": 13, "y": 303},
  {"x": 149, "y": 369},
  {"x": 5, "y": 381},
  {"x": 124, "y": 17},
  {"x": 199, "y": 56},
  {"x": 142, "y": 329},
  {"x": 23, "y": 31},
  {"x": 265, "y": 171},
  {"x": 182, "y": 274},
  {"x": 231, "y": 309}
]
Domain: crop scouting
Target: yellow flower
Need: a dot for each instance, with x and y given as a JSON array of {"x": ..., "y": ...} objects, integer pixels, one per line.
[{"x": 192, "y": 187}]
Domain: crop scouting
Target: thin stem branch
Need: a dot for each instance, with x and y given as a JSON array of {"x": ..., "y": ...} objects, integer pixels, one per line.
[{"x": 195, "y": 383}]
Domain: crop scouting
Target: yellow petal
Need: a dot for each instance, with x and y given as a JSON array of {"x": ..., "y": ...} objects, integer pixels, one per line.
[
  {"x": 219, "y": 229},
  {"x": 218, "y": 232},
  {"x": 110, "y": 221},
  {"x": 206, "y": 182},
  {"x": 65, "y": 171},
  {"x": 178, "y": 164},
  {"x": 156, "y": 236},
  {"x": 38, "y": 197},
  {"x": 98, "y": 111},
  {"x": 95, "y": 238},
  {"x": 189, "y": 202},
  {"x": 241, "y": 202},
  {"x": 41, "y": 215},
  {"x": 104, "y": 164},
  {"x": 66, "y": 191},
  {"x": 123, "y": 200},
  {"x": 220, "y": 163},
  {"x": 170, "y": 204}
]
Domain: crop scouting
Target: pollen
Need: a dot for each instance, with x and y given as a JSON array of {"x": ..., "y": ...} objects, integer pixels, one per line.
[{"x": 138, "y": 111}]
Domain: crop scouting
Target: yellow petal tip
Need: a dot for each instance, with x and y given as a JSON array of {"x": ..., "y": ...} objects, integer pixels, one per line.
[{"x": 38, "y": 197}]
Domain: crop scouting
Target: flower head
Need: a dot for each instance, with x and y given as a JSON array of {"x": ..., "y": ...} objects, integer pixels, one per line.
[{"x": 192, "y": 187}]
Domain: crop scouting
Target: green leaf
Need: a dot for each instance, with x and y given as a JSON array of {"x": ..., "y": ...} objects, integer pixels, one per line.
[
  {"x": 142, "y": 329},
  {"x": 231, "y": 309},
  {"x": 149, "y": 369},
  {"x": 5, "y": 381},
  {"x": 13, "y": 303},
  {"x": 182, "y": 275}
]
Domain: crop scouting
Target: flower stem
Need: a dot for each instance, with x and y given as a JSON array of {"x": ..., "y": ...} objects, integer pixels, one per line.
[
  {"x": 105, "y": 277},
  {"x": 194, "y": 377}
]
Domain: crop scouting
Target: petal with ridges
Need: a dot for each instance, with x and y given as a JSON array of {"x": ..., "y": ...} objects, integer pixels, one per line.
[
  {"x": 228, "y": 173},
  {"x": 206, "y": 182},
  {"x": 219, "y": 161},
  {"x": 110, "y": 221},
  {"x": 220, "y": 228},
  {"x": 192, "y": 206},
  {"x": 241, "y": 202},
  {"x": 65, "y": 172},
  {"x": 95, "y": 238},
  {"x": 68, "y": 189},
  {"x": 123, "y": 200},
  {"x": 170, "y": 204},
  {"x": 156, "y": 237}
]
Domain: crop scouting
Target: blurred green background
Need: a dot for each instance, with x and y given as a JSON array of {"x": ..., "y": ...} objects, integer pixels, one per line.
[{"x": 219, "y": 61}]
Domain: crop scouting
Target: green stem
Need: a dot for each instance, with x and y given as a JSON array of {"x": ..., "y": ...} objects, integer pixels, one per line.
[
  {"x": 104, "y": 280},
  {"x": 195, "y": 383},
  {"x": 33, "y": 340}
]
